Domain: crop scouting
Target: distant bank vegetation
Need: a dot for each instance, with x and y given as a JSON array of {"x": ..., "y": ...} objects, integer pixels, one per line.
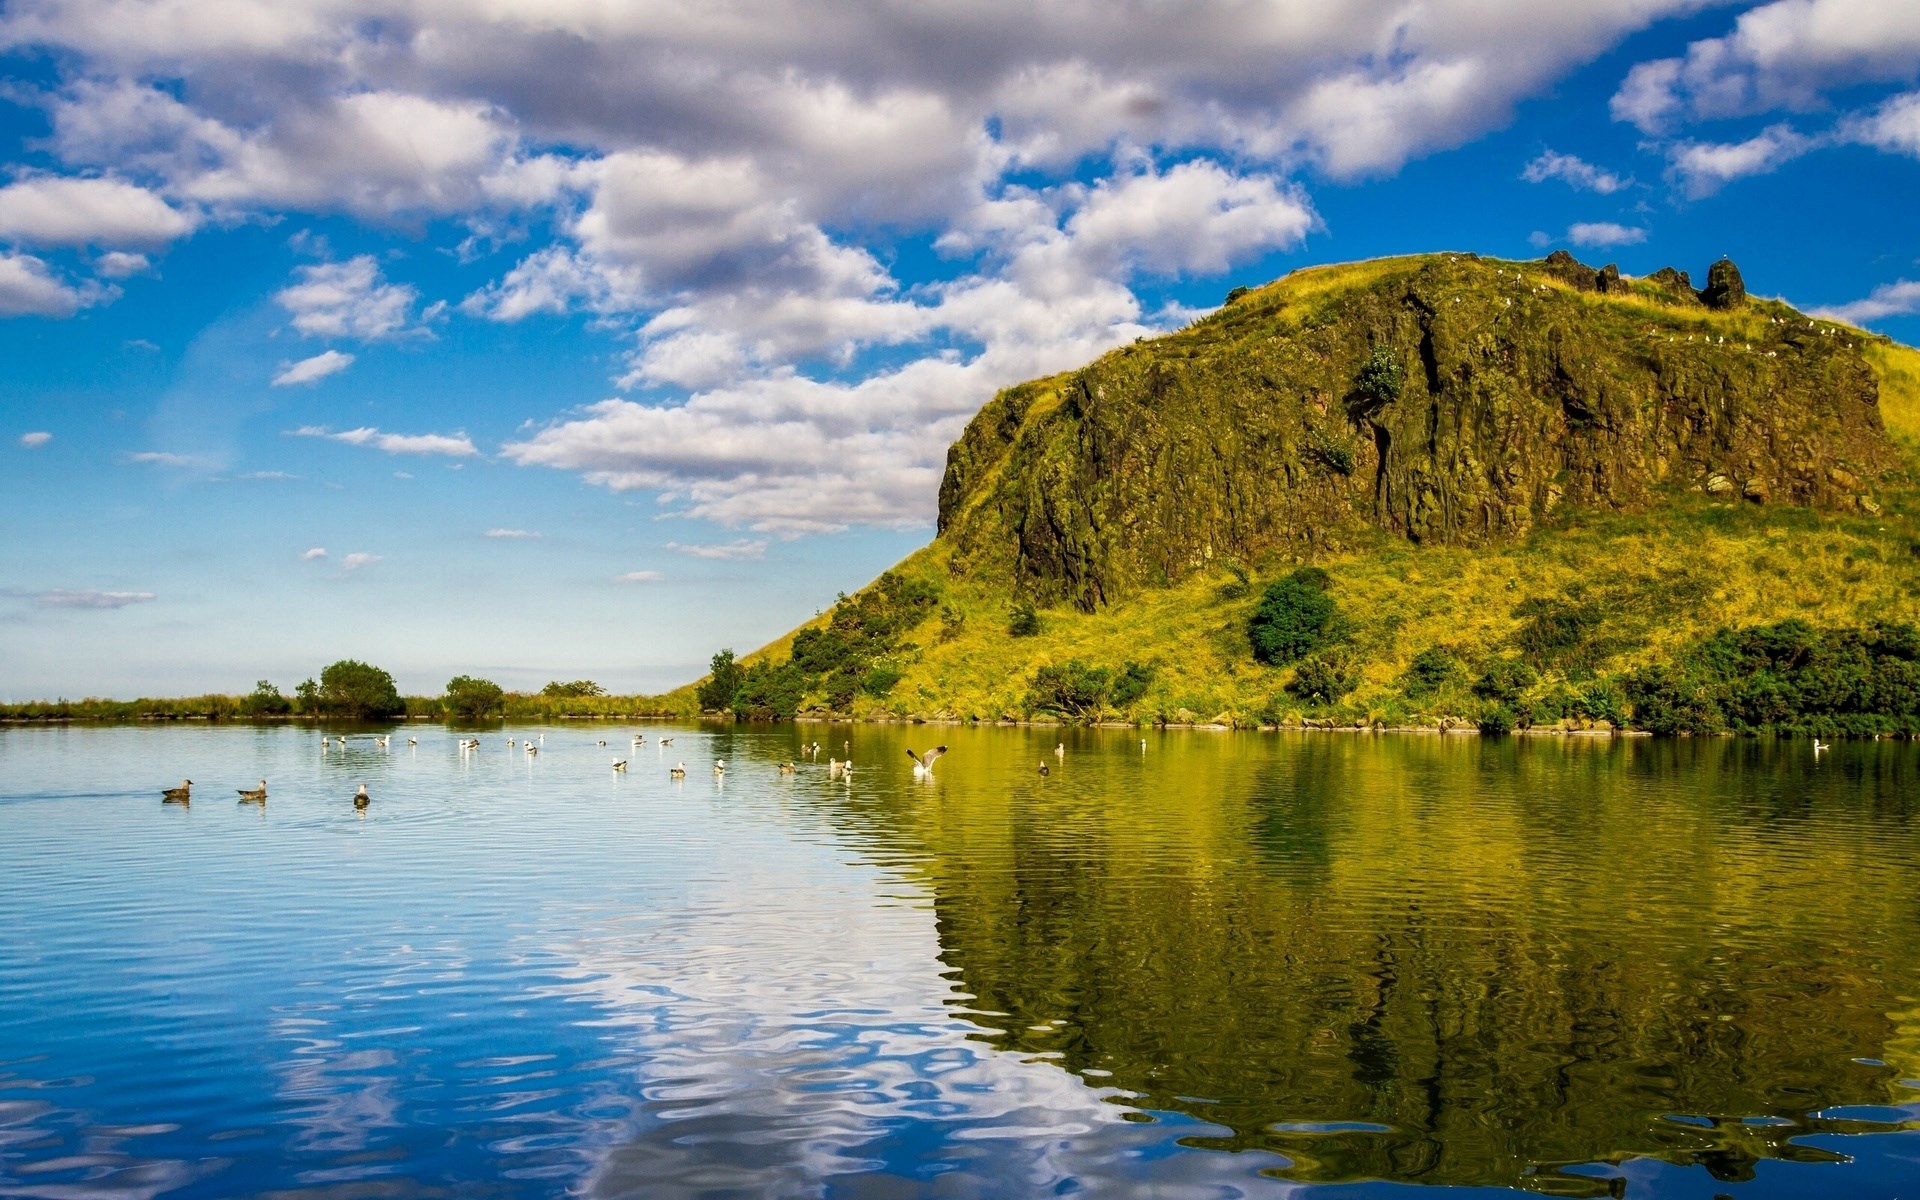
[{"x": 350, "y": 690}]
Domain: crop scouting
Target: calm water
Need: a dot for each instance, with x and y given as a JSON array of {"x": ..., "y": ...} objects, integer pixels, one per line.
[{"x": 1219, "y": 965}]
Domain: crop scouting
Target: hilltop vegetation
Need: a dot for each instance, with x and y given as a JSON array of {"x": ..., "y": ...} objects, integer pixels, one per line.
[{"x": 1426, "y": 491}]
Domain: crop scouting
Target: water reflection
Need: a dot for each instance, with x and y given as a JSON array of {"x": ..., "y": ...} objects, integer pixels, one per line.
[
  {"x": 1449, "y": 961},
  {"x": 1224, "y": 965}
]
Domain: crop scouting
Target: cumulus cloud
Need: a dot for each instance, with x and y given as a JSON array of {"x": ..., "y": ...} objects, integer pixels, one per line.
[
  {"x": 119, "y": 264},
  {"x": 318, "y": 552},
  {"x": 55, "y": 211},
  {"x": 313, "y": 370},
  {"x": 1898, "y": 299},
  {"x": 1605, "y": 234},
  {"x": 1576, "y": 172},
  {"x": 457, "y": 445},
  {"x": 512, "y": 533},
  {"x": 639, "y": 577},
  {"x": 348, "y": 299},
  {"x": 35, "y": 439},
  {"x": 1787, "y": 54},
  {"x": 29, "y": 288},
  {"x": 1893, "y": 126},
  {"x": 86, "y": 599},
  {"x": 358, "y": 559},
  {"x": 1703, "y": 168}
]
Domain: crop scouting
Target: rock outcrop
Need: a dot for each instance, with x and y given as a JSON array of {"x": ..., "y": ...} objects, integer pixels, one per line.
[{"x": 1439, "y": 398}]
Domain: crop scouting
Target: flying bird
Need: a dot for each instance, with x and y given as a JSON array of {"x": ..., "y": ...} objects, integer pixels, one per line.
[{"x": 923, "y": 763}]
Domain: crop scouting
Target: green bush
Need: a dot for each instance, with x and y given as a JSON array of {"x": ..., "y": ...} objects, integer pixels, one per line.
[
  {"x": 471, "y": 699},
  {"x": 1323, "y": 679},
  {"x": 1497, "y": 721},
  {"x": 576, "y": 689},
  {"x": 1505, "y": 681},
  {"x": 1293, "y": 618},
  {"x": 1431, "y": 670},
  {"x": 265, "y": 701},
  {"x": 357, "y": 691},
  {"x": 880, "y": 680},
  {"x": 1024, "y": 622},
  {"x": 1558, "y": 633},
  {"x": 1378, "y": 383}
]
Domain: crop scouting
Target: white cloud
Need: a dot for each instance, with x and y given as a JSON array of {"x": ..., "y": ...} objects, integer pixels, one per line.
[
  {"x": 35, "y": 439},
  {"x": 639, "y": 577},
  {"x": 1605, "y": 233},
  {"x": 513, "y": 533},
  {"x": 317, "y": 552},
  {"x": 1787, "y": 54},
  {"x": 1897, "y": 299},
  {"x": 313, "y": 370},
  {"x": 457, "y": 445},
  {"x": 165, "y": 458},
  {"x": 48, "y": 210},
  {"x": 1894, "y": 126},
  {"x": 266, "y": 476},
  {"x": 358, "y": 559},
  {"x": 348, "y": 299},
  {"x": 81, "y": 598},
  {"x": 726, "y": 551},
  {"x": 1576, "y": 172},
  {"x": 28, "y": 288},
  {"x": 119, "y": 264},
  {"x": 1703, "y": 168}
]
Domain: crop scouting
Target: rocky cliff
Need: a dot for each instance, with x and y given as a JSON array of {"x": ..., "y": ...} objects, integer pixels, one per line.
[{"x": 1446, "y": 399}]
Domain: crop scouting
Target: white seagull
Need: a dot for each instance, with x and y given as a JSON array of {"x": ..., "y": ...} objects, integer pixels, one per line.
[{"x": 923, "y": 763}]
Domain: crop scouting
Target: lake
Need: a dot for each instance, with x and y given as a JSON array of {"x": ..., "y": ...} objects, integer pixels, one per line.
[{"x": 1201, "y": 964}]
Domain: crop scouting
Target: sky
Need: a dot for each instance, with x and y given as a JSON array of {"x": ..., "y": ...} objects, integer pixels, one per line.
[{"x": 559, "y": 339}]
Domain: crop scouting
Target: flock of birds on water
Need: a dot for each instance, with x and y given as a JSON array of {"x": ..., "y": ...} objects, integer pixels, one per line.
[{"x": 837, "y": 768}]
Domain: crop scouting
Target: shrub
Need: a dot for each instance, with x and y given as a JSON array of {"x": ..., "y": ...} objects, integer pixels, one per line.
[
  {"x": 1379, "y": 380},
  {"x": 724, "y": 677},
  {"x": 1496, "y": 721},
  {"x": 358, "y": 691},
  {"x": 1025, "y": 622},
  {"x": 1505, "y": 681},
  {"x": 1431, "y": 670},
  {"x": 1071, "y": 689},
  {"x": 577, "y": 688},
  {"x": 1292, "y": 618},
  {"x": 471, "y": 699},
  {"x": 879, "y": 680},
  {"x": 1323, "y": 679},
  {"x": 1130, "y": 684},
  {"x": 265, "y": 701}
]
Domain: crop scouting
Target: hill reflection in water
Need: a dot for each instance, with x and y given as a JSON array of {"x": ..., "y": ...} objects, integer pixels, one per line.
[{"x": 1443, "y": 960}]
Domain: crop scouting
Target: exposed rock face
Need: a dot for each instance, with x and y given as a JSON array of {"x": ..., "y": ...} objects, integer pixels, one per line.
[
  {"x": 1725, "y": 289},
  {"x": 1440, "y": 398}
]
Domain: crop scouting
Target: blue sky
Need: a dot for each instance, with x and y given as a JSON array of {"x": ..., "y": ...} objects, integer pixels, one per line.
[{"x": 555, "y": 339}]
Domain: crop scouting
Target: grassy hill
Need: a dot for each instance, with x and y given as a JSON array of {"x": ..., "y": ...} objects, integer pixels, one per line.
[{"x": 1534, "y": 494}]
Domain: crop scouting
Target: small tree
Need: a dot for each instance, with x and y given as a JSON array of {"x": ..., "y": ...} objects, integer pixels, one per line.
[
  {"x": 724, "y": 677},
  {"x": 1292, "y": 619},
  {"x": 1378, "y": 383},
  {"x": 306, "y": 697},
  {"x": 472, "y": 699},
  {"x": 265, "y": 701},
  {"x": 577, "y": 688},
  {"x": 359, "y": 691},
  {"x": 1025, "y": 622}
]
